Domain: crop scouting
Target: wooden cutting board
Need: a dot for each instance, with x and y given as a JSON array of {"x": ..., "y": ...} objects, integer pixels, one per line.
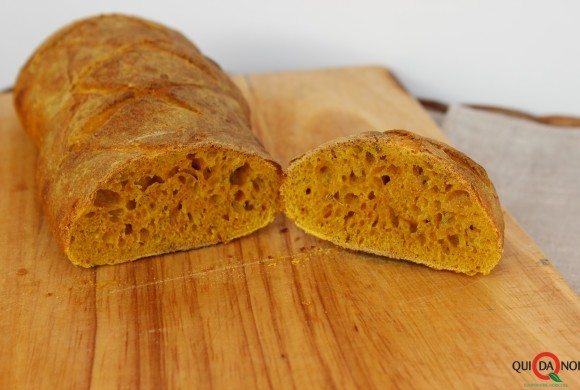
[{"x": 278, "y": 309}]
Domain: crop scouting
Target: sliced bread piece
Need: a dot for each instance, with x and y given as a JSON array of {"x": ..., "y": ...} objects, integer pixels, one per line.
[{"x": 400, "y": 195}]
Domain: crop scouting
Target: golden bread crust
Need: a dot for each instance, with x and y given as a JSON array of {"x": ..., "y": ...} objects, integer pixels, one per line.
[{"x": 111, "y": 91}]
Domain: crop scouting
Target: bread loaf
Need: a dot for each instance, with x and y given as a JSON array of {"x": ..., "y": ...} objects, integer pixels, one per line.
[
  {"x": 399, "y": 195},
  {"x": 144, "y": 144}
]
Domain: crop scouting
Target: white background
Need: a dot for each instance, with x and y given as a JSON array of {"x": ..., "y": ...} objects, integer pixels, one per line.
[{"x": 516, "y": 54}]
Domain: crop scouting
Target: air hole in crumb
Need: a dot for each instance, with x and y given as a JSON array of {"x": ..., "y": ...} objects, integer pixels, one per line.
[
  {"x": 412, "y": 227},
  {"x": 422, "y": 239},
  {"x": 349, "y": 198},
  {"x": 371, "y": 195},
  {"x": 147, "y": 181},
  {"x": 327, "y": 211},
  {"x": 375, "y": 222},
  {"x": 453, "y": 239},
  {"x": 106, "y": 198},
  {"x": 239, "y": 195},
  {"x": 90, "y": 215},
  {"x": 471, "y": 227},
  {"x": 385, "y": 179},
  {"x": 196, "y": 163},
  {"x": 175, "y": 192},
  {"x": 189, "y": 217},
  {"x": 181, "y": 179},
  {"x": 248, "y": 206},
  {"x": 394, "y": 169},
  {"x": 179, "y": 206},
  {"x": 348, "y": 216},
  {"x": 143, "y": 235},
  {"x": 131, "y": 204},
  {"x": 108, "y": 236},
  {"x": 173, "y": 172},
  {"x": 214, "y": 199},
  {"x": 438, "y": 218},
  {"x": 308, "y": 190},
  {"x": 336, "y": 195},
  {"x": 240, "y": 175},
  {"x": 323, "y": 169},
  {"x": 124, "y": 184},
  {"x": 448, "y": 187},
  {"x": 369, "y": 157},
  {"x": 128, "y": 228},
  {"x": 226, "y": 217},
  {"x": 417, "y": 170}
]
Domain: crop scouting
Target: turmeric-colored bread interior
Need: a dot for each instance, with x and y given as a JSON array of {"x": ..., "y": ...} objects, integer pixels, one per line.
[
  {"x": 397, "y": 195},
  {"x": 172, "y": 202}
]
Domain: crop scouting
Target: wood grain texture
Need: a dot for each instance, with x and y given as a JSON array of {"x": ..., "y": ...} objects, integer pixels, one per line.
[{"x": 277, "y": 309}]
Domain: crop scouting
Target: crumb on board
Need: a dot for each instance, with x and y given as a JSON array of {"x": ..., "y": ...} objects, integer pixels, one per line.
[
  {"x": 302, "y": 254},
  {"x": 307, "y": 253}
]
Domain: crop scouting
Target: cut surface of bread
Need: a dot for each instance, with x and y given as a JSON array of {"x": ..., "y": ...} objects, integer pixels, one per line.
[
  {"x": 174, "y": 201},
  {"x": 145, "y": 145},
  {"x": 400, "y": 195}
]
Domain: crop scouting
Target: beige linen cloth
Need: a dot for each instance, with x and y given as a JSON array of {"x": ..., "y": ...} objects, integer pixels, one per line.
[{"x": 536, "y": 170}]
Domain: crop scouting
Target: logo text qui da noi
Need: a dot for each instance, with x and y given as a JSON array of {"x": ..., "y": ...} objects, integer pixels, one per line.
[{"x": 546, "y": 366}]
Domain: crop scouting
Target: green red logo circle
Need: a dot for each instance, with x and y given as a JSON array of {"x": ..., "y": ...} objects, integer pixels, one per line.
[{"x": 537, "y": 359}]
